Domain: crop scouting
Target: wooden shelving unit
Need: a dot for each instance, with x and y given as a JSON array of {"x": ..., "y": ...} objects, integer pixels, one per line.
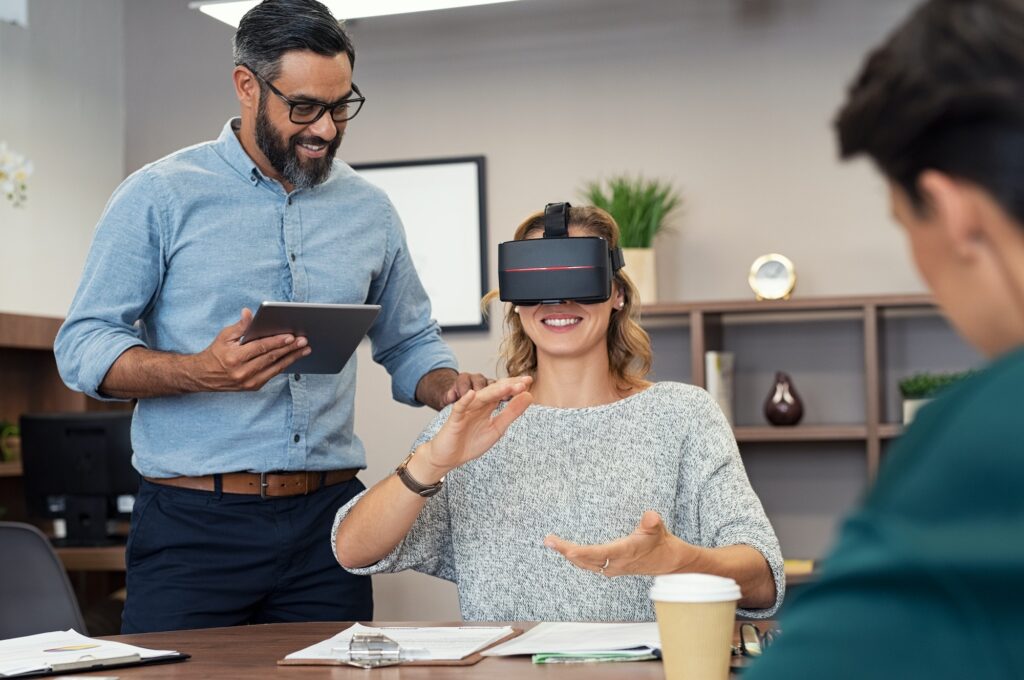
[
  {"x": 10, "y": 469},
  {"x": 31, "y": 384},
  {"x": 807, "y": 433},
  {"x": 705, "y": 323}
]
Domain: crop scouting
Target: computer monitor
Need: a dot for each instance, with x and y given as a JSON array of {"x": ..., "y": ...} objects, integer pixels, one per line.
[{"x": 77, "y": 469}]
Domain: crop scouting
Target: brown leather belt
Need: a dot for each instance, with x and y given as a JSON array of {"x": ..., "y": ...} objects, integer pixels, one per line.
[{"x": 266, "y": 484}]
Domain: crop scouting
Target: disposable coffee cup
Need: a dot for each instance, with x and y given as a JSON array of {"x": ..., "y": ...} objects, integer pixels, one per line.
[{"x": 696, "y": 615}]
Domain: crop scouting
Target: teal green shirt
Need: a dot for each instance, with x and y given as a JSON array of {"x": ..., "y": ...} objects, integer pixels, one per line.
[{"x": 927, "y": 579}]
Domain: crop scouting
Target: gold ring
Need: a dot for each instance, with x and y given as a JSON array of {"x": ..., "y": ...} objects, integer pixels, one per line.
[{"x": 604, "y": 566}]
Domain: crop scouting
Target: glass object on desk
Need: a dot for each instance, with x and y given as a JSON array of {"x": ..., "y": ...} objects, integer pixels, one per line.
[{"x": 753, "y": 641}]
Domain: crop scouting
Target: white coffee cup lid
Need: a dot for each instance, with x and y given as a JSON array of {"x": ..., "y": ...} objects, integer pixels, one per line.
[{"x": 694, "y": 588}]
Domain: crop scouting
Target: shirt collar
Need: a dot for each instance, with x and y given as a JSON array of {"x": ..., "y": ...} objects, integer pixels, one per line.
[{"x": 230, "y": 149}]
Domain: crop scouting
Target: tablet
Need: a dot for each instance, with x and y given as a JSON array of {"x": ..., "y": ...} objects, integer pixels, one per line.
[{"x": 333, "y": 331}]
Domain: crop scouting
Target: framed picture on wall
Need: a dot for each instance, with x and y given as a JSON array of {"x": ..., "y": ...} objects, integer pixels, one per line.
[{"x": 442, "y": 205}]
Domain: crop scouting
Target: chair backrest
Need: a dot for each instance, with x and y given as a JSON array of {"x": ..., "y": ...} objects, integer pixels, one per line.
[{"x": 35, "y": 594}]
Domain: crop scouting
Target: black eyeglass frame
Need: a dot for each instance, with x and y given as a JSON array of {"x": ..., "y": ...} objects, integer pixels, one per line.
[{"x": 347, "y": 101}]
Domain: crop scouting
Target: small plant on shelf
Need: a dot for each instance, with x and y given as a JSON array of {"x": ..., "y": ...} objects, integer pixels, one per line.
[
  {"x": 919, "y": 389},
  {"x": 928, "y": 385},
  {"x": 642, "y": 208}
]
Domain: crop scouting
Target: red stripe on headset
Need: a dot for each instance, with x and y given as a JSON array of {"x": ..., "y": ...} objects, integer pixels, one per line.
[{"x": 552, "y": 269}]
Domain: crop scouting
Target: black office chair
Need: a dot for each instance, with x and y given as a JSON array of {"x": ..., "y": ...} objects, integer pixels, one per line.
[{"x": 34, "y": 588}]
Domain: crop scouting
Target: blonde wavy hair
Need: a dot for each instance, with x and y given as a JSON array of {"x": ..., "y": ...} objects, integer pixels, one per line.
[{"x": 629, "y": 346}]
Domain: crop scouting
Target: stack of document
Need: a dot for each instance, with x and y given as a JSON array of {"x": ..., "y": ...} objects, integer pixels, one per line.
[
  {"x": 63, "y": 651},
  {"x": 417, "y": 644},
  {"x": 584, "y": 642}
]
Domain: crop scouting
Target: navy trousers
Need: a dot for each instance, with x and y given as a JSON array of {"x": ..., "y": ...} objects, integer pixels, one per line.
[{"x": 199, "y": 559}]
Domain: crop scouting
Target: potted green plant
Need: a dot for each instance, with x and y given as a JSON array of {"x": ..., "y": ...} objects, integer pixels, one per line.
[
  {"x": 641, "y": 207},
  {"x": 919, "y": 389}
]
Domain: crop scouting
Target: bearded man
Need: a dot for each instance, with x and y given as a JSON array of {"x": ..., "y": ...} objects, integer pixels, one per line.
[{"x": 243, "y": 463}]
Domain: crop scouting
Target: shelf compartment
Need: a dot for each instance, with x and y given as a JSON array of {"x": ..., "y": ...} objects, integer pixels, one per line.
[
  {"x": 801, "y": 433},
  {"x": 12, "y": 469}
]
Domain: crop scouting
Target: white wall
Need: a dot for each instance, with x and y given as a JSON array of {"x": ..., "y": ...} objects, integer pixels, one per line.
[
  {"x": 731, "y": 99},
  {"x": 62, "y": 106}
]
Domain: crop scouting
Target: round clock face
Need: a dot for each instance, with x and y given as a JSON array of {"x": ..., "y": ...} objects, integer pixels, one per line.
[{"x": 772, "y": 277}]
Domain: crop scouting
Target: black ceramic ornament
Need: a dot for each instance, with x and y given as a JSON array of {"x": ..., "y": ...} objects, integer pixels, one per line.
[{"x": 783, "y": 406}]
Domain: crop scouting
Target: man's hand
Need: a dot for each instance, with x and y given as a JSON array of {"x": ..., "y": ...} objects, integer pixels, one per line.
[
  {"x": 229, "y": 366},
  {"x": 650, "y": 550},
  {"x": 445, "y": 386}
]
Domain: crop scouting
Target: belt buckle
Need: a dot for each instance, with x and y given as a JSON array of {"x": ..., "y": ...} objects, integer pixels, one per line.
[{"x": 264, "y": 485}]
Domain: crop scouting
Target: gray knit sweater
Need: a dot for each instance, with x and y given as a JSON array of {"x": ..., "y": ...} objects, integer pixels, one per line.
[{"x": 587, "y": 475}]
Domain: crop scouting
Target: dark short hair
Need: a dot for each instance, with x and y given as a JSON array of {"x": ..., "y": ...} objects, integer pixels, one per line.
[
  {"x": 945, "y": 92},
  {"x": 274, "y": 27}
]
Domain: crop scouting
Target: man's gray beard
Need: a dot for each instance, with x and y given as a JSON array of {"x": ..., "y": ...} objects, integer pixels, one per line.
[{"x": 285, "y": 158}]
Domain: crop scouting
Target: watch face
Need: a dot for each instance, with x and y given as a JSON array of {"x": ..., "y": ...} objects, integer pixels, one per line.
[{"x": 772, "y": 277}]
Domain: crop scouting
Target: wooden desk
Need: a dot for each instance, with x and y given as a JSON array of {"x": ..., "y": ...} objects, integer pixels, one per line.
[
  {"x": 248, "y": 652},
  {"x": 106, "y": 558}
]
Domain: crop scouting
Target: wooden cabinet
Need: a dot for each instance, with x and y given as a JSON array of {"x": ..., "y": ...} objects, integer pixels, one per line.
[
  {"x": 29, "y": 383},
  {"x": 845, "y": 356}
]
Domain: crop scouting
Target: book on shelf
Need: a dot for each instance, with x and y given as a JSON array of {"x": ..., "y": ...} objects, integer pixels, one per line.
[{"x": 718, "y": 372}]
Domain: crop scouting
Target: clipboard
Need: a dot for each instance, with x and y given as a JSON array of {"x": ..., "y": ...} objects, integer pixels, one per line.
[
  {"x": 470, "y": 660},
  {"x": 90, "y": 665}
]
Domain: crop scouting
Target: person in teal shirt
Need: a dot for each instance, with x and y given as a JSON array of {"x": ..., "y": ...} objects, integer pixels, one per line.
[{"x": 925, "y": 580}]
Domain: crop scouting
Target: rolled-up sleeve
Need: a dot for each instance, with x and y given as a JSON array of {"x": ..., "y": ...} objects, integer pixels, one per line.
[
  {"x": 122, "y": 274},
  {"x": 406, "y": 340},
  {"x": 729, "y": 511},
  {"x": 427, "y": 547}
]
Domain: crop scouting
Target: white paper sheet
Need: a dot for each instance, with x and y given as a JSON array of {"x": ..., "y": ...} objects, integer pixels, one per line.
[
  {"x": 448, "y": 643},
  {"x": 551, "y": 638},
  {"x": 40, "y": 652}
]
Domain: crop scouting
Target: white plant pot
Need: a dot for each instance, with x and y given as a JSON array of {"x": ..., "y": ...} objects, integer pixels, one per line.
[
  {"x": 911, "y": 407},
  {"x": 640, "y": 267}
]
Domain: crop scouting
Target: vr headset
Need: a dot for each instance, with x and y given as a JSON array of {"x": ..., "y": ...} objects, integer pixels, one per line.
[{"x": 557, "y": 268}]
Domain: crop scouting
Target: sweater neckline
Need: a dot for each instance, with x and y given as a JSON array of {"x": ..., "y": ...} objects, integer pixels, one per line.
[{"x": 539, "y": 408}]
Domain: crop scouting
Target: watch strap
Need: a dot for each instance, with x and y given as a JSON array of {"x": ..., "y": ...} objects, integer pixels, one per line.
[{"x": 424, "y": 490}]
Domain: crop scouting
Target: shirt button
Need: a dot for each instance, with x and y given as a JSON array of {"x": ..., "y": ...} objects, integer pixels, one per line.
[
  {"x": 293, "y": 257},
  {"x": 289, "y": 200},
  {"x": 298, "y": 377},
  {"x": 296, "y": 439}
]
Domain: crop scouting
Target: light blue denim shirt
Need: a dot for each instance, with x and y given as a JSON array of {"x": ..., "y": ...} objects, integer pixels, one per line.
[{"x": 183, "y": 245}]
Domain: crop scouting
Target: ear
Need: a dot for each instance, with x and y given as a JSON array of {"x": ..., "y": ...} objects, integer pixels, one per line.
[
  {"x": 950, "y": 206},
  {"x": 247, "y": 88},
  {"x": 619, "y": 295}
]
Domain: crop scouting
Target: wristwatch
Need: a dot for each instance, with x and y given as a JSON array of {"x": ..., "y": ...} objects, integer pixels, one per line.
[{"x": 424, "y": 490}]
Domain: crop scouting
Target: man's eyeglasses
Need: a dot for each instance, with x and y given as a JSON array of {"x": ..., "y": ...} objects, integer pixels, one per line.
[{"x": 304, "y": 112}]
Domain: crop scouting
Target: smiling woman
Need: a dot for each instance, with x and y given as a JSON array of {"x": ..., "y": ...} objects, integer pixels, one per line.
[{"x": 559, "y": 493}]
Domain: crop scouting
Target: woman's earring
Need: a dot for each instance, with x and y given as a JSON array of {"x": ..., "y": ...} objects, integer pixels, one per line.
[{"x": 516, "y": 309}]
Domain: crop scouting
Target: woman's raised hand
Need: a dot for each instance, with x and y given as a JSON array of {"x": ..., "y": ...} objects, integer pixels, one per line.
[{"x": 471, "y": 430}]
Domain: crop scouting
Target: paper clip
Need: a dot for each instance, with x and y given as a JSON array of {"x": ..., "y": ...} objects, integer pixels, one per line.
[{"x": 371, "y": 650}]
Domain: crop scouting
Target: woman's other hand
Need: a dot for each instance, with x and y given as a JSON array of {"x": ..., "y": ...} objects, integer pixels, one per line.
[{"x": 650, "y": 550}]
